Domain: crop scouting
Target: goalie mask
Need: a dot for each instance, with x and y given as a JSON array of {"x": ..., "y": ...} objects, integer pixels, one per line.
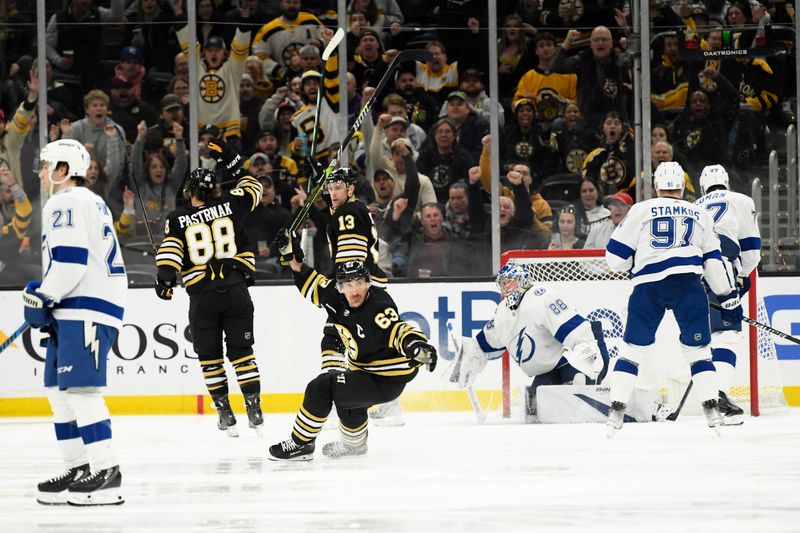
[{"x": 514, "y": 280}]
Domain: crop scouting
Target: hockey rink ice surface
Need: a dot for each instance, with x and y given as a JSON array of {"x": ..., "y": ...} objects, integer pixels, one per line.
[{"x": 440, "y": 472}]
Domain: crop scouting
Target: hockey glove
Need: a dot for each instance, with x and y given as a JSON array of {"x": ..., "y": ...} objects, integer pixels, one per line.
[
  {"x": 289, "y": 247},
  {"x": 38, "y": 308},
  {"x": 163, "y": 289},
  {"x": 586, "y": 358},
  {"x": 226, "y": 156},
  {"x": 422, "y": 353},
  {"x": 729, "y": 301},
  {"x": 743, "y": 284}
]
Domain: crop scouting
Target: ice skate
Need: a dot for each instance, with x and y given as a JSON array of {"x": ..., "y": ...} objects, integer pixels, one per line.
[
  {"x": 99, "y": 488},
  {"x": 255, "y": 417},
  {"x": 616, "y": 415},
  {"x": 54, "y": 490},
  {"x": 289, "y": 450},
  {"x": 227, "y": 420},
  {"x": 388, "y": 414},
  {"x": 732, "y": 414},
  {"x": 714, "y": 419},
  {"x": 337, "y": 449}
]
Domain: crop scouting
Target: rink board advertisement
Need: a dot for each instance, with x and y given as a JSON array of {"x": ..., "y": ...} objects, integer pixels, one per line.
[{"x": 152, "y": 357}]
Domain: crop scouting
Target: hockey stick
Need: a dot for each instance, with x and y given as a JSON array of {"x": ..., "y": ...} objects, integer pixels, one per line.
[
  {"x": 144, "y": 209},
  {"x": 9, "y": 341},
  {"x": 480, "y": 414},
  {"x": 758, "y": 324},
  {"x": 406, "y": 55},
  {"x": 335, "y": 40},
  {"x": 672, "y": 417}
]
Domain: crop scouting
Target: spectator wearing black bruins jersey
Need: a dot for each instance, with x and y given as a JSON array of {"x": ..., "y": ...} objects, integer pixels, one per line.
[
  {"x": 383, "y": 353},
  {"x": 204, "y": 243}
]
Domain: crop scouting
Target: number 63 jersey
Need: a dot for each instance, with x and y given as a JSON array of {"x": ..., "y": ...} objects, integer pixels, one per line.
[{"x": 82, "y": 265}]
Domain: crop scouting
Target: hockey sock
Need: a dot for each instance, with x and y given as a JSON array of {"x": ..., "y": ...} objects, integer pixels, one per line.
[
  {"x": 94, "y": 426},
  {"x": 354, "y": 437},
  {"x": 626, "y": 369},
  {"x": 247, "y": 373},
  {"x": 724, "y": 357},
  {"x": 69, "y": 439},
  {"x": 306, "y": 426},
  {"x": 703, "y": 374},
  {"x": 214, "y": 375}
]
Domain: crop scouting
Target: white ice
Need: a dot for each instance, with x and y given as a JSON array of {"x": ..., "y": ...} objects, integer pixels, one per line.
[{"x": 441, "y": 472}]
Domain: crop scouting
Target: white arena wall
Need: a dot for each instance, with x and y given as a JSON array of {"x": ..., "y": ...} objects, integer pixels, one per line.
[{"x": 153, "y": 369}]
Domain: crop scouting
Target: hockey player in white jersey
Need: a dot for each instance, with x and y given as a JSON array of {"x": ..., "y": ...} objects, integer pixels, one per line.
[
  {"x": 80, "y": 302},
  {"x": 667, "y": 244},
  {"x": 549, "y": 339},
  {"x": 734, "y": 216}
]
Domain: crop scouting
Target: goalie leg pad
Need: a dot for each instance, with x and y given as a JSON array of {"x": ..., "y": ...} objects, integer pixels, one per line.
[
  {"x": 703, "y": 374},
  {"x": 94, "y": 426},
  {"x": 69, "y": 439}
]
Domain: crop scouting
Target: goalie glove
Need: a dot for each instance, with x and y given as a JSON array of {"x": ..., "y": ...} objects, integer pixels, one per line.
[
  {"x": 585, "y": 357},
  {"x": 421, "y": 353},
  {"x": 468, "y": 362},
  {"x": 226, "y": 156}
]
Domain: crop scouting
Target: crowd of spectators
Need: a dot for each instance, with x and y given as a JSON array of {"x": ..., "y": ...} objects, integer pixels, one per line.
[{"x": 116, "y": 79}]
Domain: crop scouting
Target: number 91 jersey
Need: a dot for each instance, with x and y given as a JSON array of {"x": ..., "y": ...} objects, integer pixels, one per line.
[{"x": 82, "y": 265}]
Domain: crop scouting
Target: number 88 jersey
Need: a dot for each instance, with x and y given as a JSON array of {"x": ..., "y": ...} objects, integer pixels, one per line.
[{"x": 205, "y": 243}]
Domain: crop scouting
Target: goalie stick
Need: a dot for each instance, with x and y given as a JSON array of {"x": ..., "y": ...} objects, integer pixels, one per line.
[
  {"x": 405, "y": 55},
  {"x": 480, "y": 414},
  {"x": 765, "y": 327},
  {"x": 326, "y": 54},
  {"x": 10, "y": 340}
]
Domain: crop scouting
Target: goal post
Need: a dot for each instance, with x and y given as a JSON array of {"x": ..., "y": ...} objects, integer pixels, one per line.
[{"x": 598, "y": 293}]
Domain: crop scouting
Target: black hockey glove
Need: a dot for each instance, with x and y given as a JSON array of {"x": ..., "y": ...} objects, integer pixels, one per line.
[
  {"x": 289, "y": 247},
  {"x": 422, "y": 353},
  {"x": 226, "y": 156},
  {"x": 163, "y": 289}
]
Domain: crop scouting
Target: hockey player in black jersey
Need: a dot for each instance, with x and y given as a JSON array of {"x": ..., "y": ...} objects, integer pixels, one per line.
[
  {"x": 383, "y": 354},
  {"x": 203, "y": 242}
]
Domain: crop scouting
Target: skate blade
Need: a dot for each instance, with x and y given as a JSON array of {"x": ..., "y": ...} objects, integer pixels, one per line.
[
  {"x": 733, "y": 420},
  {"x": 259, "y": 430},
  {"x": 100, "y": 497},
  {"x": 300, "y": 459},
  {"x": 52, "y": 498},
  {"x": 231, "y": 431}
]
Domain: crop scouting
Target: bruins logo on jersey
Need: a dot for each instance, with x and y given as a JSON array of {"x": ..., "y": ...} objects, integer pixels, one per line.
[
  {"x": 694, "y": 138},
  {"x": 350, "y": 344},
  {"x": 212, "y": 88},
  {"x": 574, "y": 160},
  {"x": 440, "y": 175},
  {"x": 523, "y": 149},
  {"x": 613, "y": 171},
  {"x": 291, "y": 50}
]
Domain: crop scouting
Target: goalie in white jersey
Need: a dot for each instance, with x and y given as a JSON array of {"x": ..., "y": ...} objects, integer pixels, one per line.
[
  {"x": 667, "y": 245},
  {"x": 734, "y": 216},
  {"x": 80, "y": 302},
  {"x": 548, "y": 338}
]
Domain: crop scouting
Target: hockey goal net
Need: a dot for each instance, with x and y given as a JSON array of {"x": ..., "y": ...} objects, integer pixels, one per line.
[{"x": 585, "y": 280}]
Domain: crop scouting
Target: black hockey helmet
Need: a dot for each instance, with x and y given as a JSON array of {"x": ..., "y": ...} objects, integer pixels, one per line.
[
  {"x": 344, "y": 174},
  {"x": 201, "y": 180},
  {"x": 350, "y": 270}
]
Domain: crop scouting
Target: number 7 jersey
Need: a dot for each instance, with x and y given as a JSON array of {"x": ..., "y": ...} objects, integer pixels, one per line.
[{"x": 82, "y": 267}]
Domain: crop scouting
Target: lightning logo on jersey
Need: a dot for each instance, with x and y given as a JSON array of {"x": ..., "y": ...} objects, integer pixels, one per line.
[{"x": 91, "y": 341}]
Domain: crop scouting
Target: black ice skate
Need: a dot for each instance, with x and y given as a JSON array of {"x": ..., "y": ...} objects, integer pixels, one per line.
[
  {"x": 732, "y": 414},
  {"x": 337, "y": 449},
  {"x": 227, "y": 420},
  {"x": 289, "y": 450},
  {"x": 714, "y": 419},
  {"x": 254, "y": 415},
  {"x": 616, "y": 415},
  {"x": 54, "y": 490},
  {"x": 99, "y": 488}
]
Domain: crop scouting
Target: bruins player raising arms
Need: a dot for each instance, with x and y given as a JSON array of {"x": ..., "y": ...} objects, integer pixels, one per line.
[
  {"x": 384, "y": 353},
  {"x": 203, "y": 243}
]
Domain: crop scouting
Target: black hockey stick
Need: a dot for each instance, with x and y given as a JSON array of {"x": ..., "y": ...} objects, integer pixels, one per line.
[
  {"x": 326, "y": 54},
  {"x": 144, "y": 209},
  {"x": 672, "y": 417},
  {"x": 10, "y": 340},
  {"x": 415, "y": 54},
  {"x": 765, "y": 327}
]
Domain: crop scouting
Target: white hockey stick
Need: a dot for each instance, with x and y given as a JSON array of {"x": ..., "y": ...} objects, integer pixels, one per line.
[
  {"x": 326, "y": 54},
  {"x": 480, "y": 414}
]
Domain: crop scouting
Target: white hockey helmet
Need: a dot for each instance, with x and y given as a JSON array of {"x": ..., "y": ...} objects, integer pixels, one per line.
[
  {"x": 669, "y": 176},
  {"x": 714, "y": 175},
  {"x": 67, "y": 151}
]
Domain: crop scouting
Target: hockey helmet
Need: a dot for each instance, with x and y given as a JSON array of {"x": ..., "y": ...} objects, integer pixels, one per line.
[
  {"x": 714, "y": 175},
  {"x": 344, "y": 174},
  {"x": 351, "y": 270},
  {"x": 669, "y": 176},
  {"x": 513, "y": 293},
  {"x": 68, "y": 151},
  {"x": 201, "y": 179}
]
